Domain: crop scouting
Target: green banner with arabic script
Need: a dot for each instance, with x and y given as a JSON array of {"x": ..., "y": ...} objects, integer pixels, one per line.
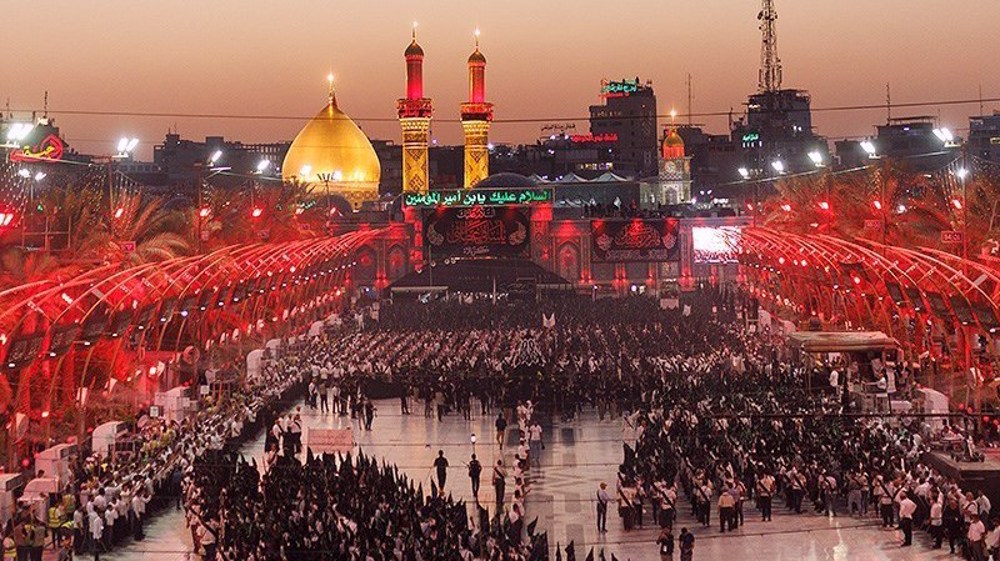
[{"x": 456, "y": 198}]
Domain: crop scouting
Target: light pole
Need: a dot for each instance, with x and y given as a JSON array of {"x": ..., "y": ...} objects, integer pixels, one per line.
[
  {"x": 745, "y": 174},
  {"x": 199, "y": 180},
  {"x": 817, "y": 159},
  {"x": 327, "y": 178}
]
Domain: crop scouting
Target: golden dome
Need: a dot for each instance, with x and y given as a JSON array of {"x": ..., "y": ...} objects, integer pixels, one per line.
[
  {"x": 673, "y": 139},
  {"x": 332, "y": 150}
]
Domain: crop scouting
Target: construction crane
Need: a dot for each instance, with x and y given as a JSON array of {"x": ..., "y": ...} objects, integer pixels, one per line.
[{"x": 770, "y": 64}]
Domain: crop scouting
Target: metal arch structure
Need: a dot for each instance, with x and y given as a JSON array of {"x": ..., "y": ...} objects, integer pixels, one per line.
[
  {"x": 933, "y": 302},
  {"x": 60, "y": 335}
]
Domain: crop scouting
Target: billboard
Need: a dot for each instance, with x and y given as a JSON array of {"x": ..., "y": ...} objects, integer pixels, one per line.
[
  {"x": 634, "y": 240},
  {"x": 715, "y": 244},
  {"x": 478, "y": 231}
]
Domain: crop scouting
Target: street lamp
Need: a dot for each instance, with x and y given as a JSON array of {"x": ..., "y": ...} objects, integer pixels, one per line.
[
  {"x": 126, "y": 146},
  {"x": 17, "y": 132},
  {"x": 215, "y": 157},
  {"x": 778, "y": 166},
  {"x": 263, "y": 165},
  {"x": 817, "y": 158},
  {"x": 944, "y": 135},
  {"x": 869, "y": 147},
  {"x": 744, "y": 173}
]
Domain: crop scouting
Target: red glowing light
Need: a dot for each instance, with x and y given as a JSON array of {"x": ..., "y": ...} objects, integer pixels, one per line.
[
  {"x": 786, "y": 207},
  {"x": 119, "y": 212},
  {"x": 256, "y": 212},
  {"x": 205, "y": 212},
  {"x": 957, "y": 204},
  {"x": 824, "y": 205},
  {"x": 877, "y": 204}
]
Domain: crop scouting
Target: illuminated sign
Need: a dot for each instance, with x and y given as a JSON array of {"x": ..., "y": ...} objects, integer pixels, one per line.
[
  {"x": 634, "y": 241},
  {"x": 751, "y": 137},
  {"x": 591, "y": 138},
  {"x": 477, "y": 197},
  {"x": 623, "y": 88},
  {"x": 50, "y": 149}
]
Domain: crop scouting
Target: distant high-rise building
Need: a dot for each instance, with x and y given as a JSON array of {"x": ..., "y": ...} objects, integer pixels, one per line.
[
  {"x": 629, "y": 115},
  {"x": 984, "y": 137},
  {"x": 914, "y": 142},
  {"x": 177, "y": 157}
]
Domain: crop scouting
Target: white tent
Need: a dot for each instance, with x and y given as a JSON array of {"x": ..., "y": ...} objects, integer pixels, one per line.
[
  {"x": 571, "y": 178},
  {"x": 609, "y": 177}
]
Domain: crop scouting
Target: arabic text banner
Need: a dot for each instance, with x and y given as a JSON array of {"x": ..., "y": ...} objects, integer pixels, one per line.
[
  {"x": 477, "y": 197},
  {"x": 636, "y": 240},
  {"x": 478, "y": 231}
]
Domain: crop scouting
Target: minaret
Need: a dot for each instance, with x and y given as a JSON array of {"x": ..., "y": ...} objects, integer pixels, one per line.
[
  {"x": 415, "y": 120},
  {"x": 476, "y": 116}
]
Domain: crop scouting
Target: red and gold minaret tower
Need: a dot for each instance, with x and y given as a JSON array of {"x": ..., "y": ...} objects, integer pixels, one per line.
[
  {"x": 415, "y": 119},
  {"x": 477, "y": 114}
]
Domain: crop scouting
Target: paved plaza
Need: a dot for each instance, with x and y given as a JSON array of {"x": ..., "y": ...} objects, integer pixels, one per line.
[{"x": 578, "y": 456}]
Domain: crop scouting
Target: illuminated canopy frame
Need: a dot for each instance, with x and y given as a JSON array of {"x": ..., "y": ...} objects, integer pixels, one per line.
[
  {"x": 907, "y": 293},
  {"x": 50, "y": 329}
]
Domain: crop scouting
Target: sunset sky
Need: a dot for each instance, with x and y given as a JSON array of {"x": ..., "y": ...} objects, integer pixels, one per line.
[{"x": 545, "y": 60}]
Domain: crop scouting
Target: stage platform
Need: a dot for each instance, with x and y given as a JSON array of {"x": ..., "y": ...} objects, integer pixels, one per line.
[{"x": 973, "y": 476}]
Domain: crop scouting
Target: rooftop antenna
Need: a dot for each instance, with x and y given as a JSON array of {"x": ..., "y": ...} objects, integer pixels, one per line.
[
  {"x": 770, "y": 64},
  {"x": 690, "y": 106},
  {"x": 888, "y": 103},
  {"x": 981, "y": 99},
  {"x": 45, "y": 106}
]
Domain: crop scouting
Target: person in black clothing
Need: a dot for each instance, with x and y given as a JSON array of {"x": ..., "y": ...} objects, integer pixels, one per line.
[
  {"x": 666, "y": 543},
  {"x": 404, "y": 403},
  {"x": 499, "y": 482},
  {"x": 441, "y": 465},
  {"x": 475, "y": 468},
  {"x": 369, "y": 409},
  {"x": 501, "y": 425},
  {"x": 952, "y": 521}
]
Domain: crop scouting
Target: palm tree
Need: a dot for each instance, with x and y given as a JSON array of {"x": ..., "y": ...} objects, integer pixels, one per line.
[
  {"x": 157, "y": 234},
  {"x": 910, "y": 208}
]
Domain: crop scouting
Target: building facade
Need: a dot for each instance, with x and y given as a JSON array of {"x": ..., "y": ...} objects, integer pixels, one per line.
[{"x": 629, "y": 115}]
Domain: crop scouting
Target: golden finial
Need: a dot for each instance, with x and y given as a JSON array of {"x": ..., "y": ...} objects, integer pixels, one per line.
[
  {"x": 414, "y": 31},
  {"x": 329, "y": 79},
  {"x": 477, "y": 38}
]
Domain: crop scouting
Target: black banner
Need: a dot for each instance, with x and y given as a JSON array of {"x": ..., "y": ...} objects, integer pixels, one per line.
[
  {"x": 478, "y": 231},
  {"x": 636, "y": 240}
]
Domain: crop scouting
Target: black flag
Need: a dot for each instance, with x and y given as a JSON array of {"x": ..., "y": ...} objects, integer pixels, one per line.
[{"x": 571, "y": 552}]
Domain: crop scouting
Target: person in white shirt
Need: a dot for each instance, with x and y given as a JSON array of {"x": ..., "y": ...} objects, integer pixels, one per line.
[
  {"x": 937, "y": 521},
  {"x": 535, "y": 443},
  {"x": 906, "y": 509},
  {"x": 96, "y": 526},
  {"x": 975, "y": 536},
  {"x": 993, "y": 540},
  {"x": 984, "y": 504}
]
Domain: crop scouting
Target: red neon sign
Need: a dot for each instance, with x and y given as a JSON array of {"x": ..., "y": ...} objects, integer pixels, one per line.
[
  {"x": 50, "y": 149},
  {"x": 593, "y": 138}
]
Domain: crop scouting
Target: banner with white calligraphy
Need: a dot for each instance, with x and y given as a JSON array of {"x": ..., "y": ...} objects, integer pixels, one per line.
[{"x": 636, "y": 240}]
